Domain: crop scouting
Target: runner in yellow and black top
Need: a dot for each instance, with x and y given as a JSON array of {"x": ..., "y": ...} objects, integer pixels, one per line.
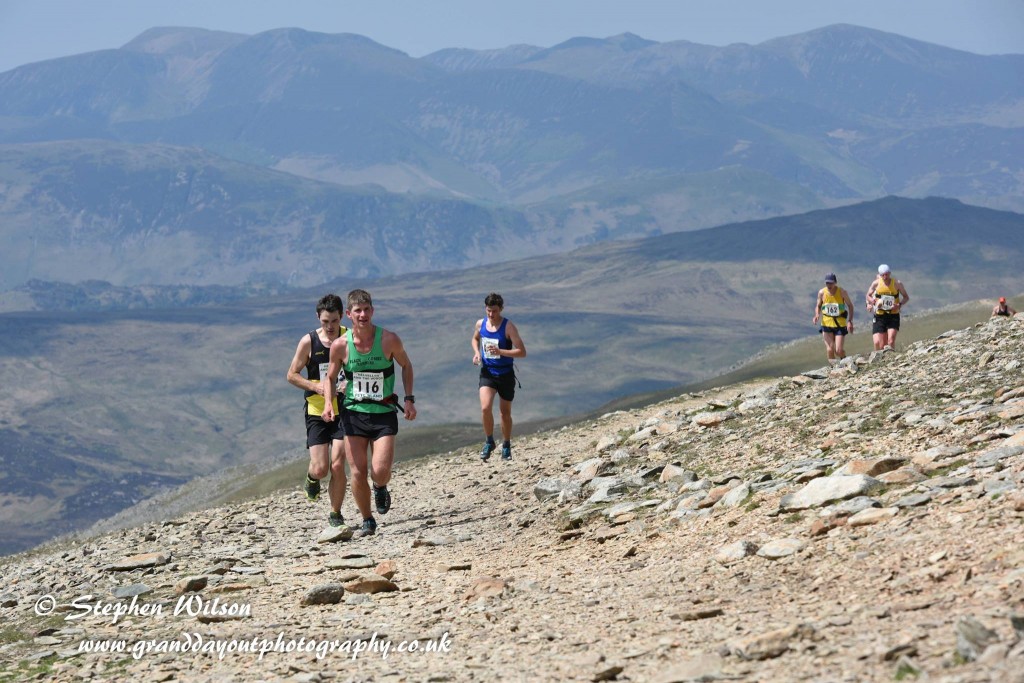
[
  {"x": 368, "y": 354},
  {"x": 324, "y": 439},
  {"x": 835, "y": 311},
  {"x": 885, "y": 298}
]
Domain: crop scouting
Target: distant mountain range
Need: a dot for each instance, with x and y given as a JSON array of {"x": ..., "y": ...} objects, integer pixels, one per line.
[
  {"x": 126, "y": 393},
  {"x": 199, "y": 157}
]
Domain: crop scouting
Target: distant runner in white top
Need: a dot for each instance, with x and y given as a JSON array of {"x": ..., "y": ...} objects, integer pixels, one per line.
[{"x": 885, "y": 298}]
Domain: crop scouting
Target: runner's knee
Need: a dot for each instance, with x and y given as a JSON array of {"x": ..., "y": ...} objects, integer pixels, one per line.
[
  {"x": 338, "y": 468},
  {"x": 381, "y": 473}
]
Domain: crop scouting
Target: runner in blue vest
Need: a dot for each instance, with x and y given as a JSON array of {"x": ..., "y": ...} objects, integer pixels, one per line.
[
  {"x": 496, "y": 342},
  {"x": 368, "y": 353}
]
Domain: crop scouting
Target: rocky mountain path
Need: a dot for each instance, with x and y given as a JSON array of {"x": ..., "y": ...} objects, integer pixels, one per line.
[{"x": 862, "y": 522}]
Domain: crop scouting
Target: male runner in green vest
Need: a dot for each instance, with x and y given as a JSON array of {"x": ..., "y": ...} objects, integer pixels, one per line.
[{"x": 367, "y": 354}]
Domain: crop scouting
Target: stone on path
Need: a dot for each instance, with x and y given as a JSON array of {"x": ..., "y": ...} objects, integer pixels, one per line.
[
  {"x": 387, "y": 569},
  {"x": 332, "y": 534},
  {"x": 771, "y": 644},
  {"x": 973, "y": 637},
  {"x": 128, "y": 591},
  {"x": 370, "y": 584},
  {"x": 713, "y": 419},
  {"x": 352, "y": 562},
  {"x": 781, "y": 547},
  {"x": 143, "y": 561},
  {"x": 190, "y": 584},
  {"x": 872, "y": 467},
  {"x": 485, "y": 587},
  {"x": 324, "y": 594},
  {"x": 824, "y": 490},
  {"x": 872, "y": 516}
]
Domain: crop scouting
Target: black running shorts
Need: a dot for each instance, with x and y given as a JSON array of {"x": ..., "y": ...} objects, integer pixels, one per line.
[
  {"x": 319, "y": 432},
  {"x": 881, "y": 323},
  {"x": 370, "y": 426},
  {"x": 505, "y": 384}
]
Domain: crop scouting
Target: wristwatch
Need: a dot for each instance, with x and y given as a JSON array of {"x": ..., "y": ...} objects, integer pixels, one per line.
[{"x": 410, "y": 398}]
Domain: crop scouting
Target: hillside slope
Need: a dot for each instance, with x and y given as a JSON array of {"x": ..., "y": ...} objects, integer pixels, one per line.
[
  {"x": 609, "y": 320},
  {"x": 858, "y": 523}
]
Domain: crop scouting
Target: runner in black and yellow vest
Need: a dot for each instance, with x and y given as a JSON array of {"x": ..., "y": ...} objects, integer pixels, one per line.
[
  {"x": 368, "y": 354},
  {"x": 886, "y": 297},
  {"x": 834, "y": 309},
  {"x": 324, "y": 439}
]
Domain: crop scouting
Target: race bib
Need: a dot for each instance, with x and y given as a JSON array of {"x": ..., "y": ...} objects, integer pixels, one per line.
[
  {"x": 831, "y": 310},
  {"x": 368, "y": 386},
  {"x": 490, "y": 347},
  {"x": 886, "y": 302},
  {"x": 324, "y": 367}
]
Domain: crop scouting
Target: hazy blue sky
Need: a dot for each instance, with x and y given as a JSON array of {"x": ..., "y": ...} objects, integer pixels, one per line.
[{"x": 33, "y": 30}]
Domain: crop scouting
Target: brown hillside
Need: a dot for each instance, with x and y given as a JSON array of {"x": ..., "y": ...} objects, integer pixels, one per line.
[{"x": 860, "y": 523}]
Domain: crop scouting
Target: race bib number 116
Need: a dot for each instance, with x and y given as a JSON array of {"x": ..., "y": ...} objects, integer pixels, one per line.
[{"x": 368, "y": 386}]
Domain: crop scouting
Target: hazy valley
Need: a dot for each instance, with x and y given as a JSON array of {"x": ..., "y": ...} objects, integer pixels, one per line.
[{"x": 150, "y": 397}]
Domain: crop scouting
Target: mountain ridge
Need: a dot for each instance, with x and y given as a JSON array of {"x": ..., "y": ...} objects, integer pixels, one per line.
[{"x": 820, "y": 111}]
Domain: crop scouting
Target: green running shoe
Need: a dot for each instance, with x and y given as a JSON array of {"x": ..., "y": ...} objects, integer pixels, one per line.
[{"x": 312, "y": 488}]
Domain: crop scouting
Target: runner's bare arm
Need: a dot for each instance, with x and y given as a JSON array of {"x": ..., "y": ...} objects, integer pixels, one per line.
[
  {"x": 298, "y": 362},
  {"x": 849, "y": 309},
  {"x": 518, "y": 349},
  {"x": 337, "y": 360},
  {"x": 393, "y": 347},
  {"x": 475, "y": 341},
  {"x": 817, "y": 308},
  {"x": 869, "y": 298},
  {"x": 903, "y": 291}
]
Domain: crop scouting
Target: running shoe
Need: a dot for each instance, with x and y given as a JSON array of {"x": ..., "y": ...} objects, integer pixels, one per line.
[
  {"x": 312, "y": 488},
  {"x": 382, "y": 499},
  {"x": 506, "y": 452},
  {"x": 369, "y": 527},
  {"x": 488, "y": 449},
  {"x": 335, "y": 519}
]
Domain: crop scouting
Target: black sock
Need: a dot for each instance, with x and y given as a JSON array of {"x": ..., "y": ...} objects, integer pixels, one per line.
[
  {"x": 490, "y": 439},
  {"x": 506, "y": 444}
]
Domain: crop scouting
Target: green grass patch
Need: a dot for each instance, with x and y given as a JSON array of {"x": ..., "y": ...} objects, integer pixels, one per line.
[
  {"x": 9, "y": 634},
  {"x": 946, "y": 469},
  {"x": 906, "y": 671}
]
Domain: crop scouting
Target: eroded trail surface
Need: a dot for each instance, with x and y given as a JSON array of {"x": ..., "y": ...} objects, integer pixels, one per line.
[{"x": 856, "y": 523}]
